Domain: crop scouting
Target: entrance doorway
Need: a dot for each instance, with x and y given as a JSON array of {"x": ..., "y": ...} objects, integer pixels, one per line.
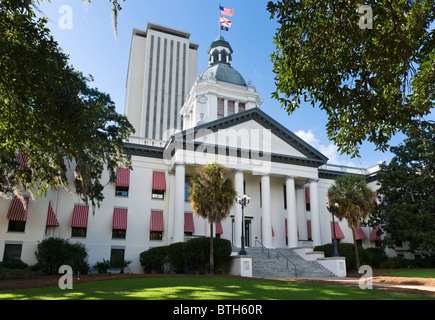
[{"x": 248, "y": 221}]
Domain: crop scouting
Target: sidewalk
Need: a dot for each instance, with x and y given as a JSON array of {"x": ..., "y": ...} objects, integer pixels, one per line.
[{"x": 408, "y": 284}]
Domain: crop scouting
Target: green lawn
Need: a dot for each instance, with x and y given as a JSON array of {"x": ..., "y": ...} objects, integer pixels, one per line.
[
  {"x": 415, "y": 273},
  {"x": 200, "y": 288}
]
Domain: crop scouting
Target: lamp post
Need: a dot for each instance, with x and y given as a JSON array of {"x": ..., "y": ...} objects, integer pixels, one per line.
[
  {"x": 333, "y": 209},
  {"x": 243, "y": 201}
]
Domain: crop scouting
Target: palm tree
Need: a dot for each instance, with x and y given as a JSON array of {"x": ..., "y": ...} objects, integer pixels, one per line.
[
  {"x": 355, "y": 200},
  {"x": 212, "y": 196}
]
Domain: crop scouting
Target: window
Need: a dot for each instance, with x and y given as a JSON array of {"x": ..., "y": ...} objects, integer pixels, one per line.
[
  {"x": 119, "y": 226},
  {"x": 78, "y": 232},
  {"x": 12, "y": 252},
  {"x": 122, "y": 182},
  {"x": 117, "y": 258},
  {"x": 241, "y": 107},
  {"x": 230, "y": 107},
  {"x": 156, "y": 225},
  {"x": 158, "y": 194},
  {"x": 187, "y": 186},
  {"x": 220, "y": 108},
  {"x": 118, "y": 233},
  {"x": 159, "y": 185},
  {"x": 307, "y": 199},
  {"x": 16, "y": 226},
  {"x": 121, "y": 191},
  {"x": 156, "y": 235},
  {"x": 79, "y": 222}
]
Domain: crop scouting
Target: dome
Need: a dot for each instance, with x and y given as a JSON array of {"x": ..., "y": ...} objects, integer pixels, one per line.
[
  {"x": 223, "y": 72},
  {"x": 220, "y": 56}
]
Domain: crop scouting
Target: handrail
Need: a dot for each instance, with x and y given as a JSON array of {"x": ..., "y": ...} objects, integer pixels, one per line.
[
  {"x": 262, "y": 246},
  {"x": 277, "y": 256}
]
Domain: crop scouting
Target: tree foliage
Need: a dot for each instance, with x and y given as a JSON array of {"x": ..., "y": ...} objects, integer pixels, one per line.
[
  {"x": 49, "y": 114},
  {"x": 371, "y": 82},
  {"x": 407, "y": 209},
  {"x": 355, "y": 200},
  {"x": 212, "y": 195}
]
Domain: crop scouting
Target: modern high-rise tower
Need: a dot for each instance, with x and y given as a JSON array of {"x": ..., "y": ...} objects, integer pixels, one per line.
[{"x": 162, "y": 68}]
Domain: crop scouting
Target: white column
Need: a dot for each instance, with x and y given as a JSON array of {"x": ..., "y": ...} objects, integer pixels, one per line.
[
  {"x": 266, "y": 219},
  {"x": 315, "y": 212},
  {"x": 292, "y": 227},
  {"x": 179, "y": 203},
  {"x": 238, "y": 185}
]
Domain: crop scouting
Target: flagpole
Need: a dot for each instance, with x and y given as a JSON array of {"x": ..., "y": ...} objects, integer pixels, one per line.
[{"x": 219, "y": 8}]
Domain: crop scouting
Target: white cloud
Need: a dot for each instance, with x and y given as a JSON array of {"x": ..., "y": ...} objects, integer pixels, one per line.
[{"x": 330, "y": 150}]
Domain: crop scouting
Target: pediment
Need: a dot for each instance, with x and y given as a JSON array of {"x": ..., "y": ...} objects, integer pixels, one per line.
[{"x": 251, "y": 131}]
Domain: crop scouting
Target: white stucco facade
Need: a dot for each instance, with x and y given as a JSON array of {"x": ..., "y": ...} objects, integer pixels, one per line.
[{"x": 277, "y": 169}]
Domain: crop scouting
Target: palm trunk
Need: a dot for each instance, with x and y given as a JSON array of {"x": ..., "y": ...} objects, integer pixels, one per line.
[
  {"x": 356, "y": 250},
  {"x": 211, "y": 249}
]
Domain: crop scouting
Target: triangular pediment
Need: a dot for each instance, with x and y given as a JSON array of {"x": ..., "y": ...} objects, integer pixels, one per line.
[{"x": 251, "y": 131}]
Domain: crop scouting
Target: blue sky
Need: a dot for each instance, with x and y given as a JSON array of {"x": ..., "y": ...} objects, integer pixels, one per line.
[{"x": 91, "y": 45}]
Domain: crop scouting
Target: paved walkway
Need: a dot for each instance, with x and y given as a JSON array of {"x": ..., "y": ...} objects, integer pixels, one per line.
[{"x": 355, "y": 281}]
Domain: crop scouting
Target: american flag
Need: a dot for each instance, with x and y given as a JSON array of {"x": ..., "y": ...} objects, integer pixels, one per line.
[{"x": 226, "y": 11}]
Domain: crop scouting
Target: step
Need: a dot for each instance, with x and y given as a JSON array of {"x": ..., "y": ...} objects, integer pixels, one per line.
[{"x": 273, "y": 268}]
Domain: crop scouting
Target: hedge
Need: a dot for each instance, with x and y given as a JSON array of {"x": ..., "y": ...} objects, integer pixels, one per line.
[
  {"x": 51, "y": 253},
  {"x": 373, "y": 257},
  {"x": 180, "y": 255}
]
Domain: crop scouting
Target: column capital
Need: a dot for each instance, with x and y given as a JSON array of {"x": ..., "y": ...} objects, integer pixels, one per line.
[
  {"x": 235, "y": 170},
  {"x": 289, "y": 177},
  {"x": 314, "y": 180}
]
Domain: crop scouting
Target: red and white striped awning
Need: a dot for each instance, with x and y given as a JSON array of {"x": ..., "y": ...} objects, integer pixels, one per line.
[
  {"x": 120, "y": 218},
  {"x": 17, "y": 212},
  {"x": 122, "y": 177},
  {"x": 51, "y": 217},
  {"x": 373, "y": 234},
  {"x": 189, "y": 226},
  {"x": 338, "y": 233},
  {"x": 23, "y": 160},
  {"x": 156, "y": 221},
  {"x": 360, "y": 234},
  {"x": 219, "y": 229},
  {"x": 80, "y": 216},
  {"x": 159, "y": 182}
]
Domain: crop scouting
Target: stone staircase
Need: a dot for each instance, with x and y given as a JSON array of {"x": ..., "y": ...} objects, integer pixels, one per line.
[{"x": 276, "y": 268}]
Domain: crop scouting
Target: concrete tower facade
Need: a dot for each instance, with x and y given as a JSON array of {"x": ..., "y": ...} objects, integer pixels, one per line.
[{"x": 161, "y": 70}]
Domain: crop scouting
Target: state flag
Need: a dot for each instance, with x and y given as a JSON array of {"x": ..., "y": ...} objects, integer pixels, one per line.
[{"x": 225, "y": 22}]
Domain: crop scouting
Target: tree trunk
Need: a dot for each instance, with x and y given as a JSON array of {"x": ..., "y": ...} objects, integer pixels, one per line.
[
  {"x": 211, "y": 249},
  {"x": 356, "y": 251}
]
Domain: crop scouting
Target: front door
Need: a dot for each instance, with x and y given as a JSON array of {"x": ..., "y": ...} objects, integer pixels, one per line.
[{"x": 247, "y": 230}]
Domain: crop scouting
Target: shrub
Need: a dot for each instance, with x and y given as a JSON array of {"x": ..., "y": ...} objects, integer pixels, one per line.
[
  {"x": 16, "y": 269},
  {"x": 102, "y": 266},
  {"x": 176, "y": 258},
  {"x": 345, "y": 250},
  {"x": 197, "y": 252},
  {"x": 51, "y": 253},
  {"x": 14, "y": 264},
  {"x": 153, "y": 259},
  {"x": 373, "y": 257}
]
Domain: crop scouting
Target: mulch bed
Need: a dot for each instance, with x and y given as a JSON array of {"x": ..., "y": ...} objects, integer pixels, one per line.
[{"x": 53, "y": 280}]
